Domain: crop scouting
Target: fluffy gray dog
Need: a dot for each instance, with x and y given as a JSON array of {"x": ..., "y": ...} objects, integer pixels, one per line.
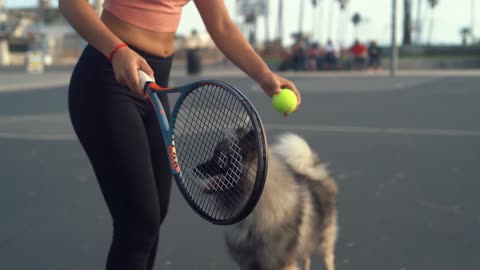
[{"x": 296, "y": 216}]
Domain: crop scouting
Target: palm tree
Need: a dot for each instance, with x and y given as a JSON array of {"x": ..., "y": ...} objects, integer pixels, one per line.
[{"x": 356, "y": 20}]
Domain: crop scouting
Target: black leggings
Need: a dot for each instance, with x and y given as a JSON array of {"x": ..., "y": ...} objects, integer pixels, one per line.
[{"x": 124, "y": 144}]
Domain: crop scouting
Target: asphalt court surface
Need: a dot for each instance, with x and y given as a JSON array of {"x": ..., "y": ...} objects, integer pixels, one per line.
[{"x": 405, "y": 153}]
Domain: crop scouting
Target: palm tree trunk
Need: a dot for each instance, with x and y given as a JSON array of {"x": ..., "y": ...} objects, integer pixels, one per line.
[
  {"x": 431, "y": 26},
  {"x": 266, "y": 18},
  {"x": 300, "y": 17},
  {"x": 320, "y": 21},
  {"x": 330, "y": 18},
  {"x": 342, "y": 25},
  {"x": 419, "y": 23}
]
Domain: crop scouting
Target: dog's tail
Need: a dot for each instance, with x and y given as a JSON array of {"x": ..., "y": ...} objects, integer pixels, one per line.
[{"x": 296, "y": 152}]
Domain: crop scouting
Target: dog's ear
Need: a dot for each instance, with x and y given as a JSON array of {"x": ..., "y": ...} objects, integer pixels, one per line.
[
  {"x": 247, "y": 142},
  {"x": 240, "y": 132}
]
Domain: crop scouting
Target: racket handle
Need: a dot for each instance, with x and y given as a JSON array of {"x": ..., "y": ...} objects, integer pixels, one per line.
[{"x": 144, "y": 78}]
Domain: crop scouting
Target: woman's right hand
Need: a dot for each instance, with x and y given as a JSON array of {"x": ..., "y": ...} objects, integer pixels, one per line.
[{"x": 126, "y": 63}]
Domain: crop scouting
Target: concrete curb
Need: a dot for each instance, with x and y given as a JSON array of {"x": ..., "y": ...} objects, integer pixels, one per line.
[{"x": 21, "y": 81}]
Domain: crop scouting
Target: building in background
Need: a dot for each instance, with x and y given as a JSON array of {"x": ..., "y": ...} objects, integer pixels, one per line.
[
  {"x": 4, "y": 51},
  {"x": 38, "y": 30}
]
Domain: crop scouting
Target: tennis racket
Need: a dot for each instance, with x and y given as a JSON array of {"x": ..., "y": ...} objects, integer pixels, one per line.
[{"x": 216, "y": 145}]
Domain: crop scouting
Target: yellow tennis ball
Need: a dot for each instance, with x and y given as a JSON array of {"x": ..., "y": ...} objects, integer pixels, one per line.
[{"x": 285, "y": 101}]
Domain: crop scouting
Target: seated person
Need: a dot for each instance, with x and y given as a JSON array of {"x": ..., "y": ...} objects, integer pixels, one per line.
[
  {"x": 330, "y": 57},
  {"x": 359, "y": 53}
]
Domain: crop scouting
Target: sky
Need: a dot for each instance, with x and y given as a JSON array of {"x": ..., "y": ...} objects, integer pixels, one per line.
[{"x": 449, "y": 17}]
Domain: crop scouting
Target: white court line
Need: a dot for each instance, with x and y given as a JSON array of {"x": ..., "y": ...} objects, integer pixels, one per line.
[
  {"x": 47, "y": 85},
  {"x": 38, "y": 136},
  {"x": 376, "y": 130},
  {"x": 57, "y": 127},
  {"x": 320, "y": 129}
]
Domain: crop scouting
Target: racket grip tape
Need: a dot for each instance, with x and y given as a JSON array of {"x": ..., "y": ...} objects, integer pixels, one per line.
[{"x": 144, "y": 78}]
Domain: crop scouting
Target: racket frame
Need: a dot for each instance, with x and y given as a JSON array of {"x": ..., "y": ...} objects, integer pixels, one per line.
[{"x": 151, "y": 89}]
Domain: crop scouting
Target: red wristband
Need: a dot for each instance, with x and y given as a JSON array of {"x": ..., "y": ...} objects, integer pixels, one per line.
[{"x": 118, "y": 47}]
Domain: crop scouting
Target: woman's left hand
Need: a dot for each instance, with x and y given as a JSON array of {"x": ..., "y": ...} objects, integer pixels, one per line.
[{"x": 272, "y": 84}]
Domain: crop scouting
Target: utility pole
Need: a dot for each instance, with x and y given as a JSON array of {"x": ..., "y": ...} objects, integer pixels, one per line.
[
  {"x": 407, "y": 22},
  {"x": 394, "y": 52},
  {"x": 280, "y": 22},
  {"x": 266, "y": 17}
]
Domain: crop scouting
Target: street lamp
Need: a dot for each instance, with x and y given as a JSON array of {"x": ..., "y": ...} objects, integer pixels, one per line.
[{"x": 394, "y": 52}]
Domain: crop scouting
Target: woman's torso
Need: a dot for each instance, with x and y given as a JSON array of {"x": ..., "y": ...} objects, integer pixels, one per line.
[
  {"x": 139, "y": 27},
  {"x": 156, "y": 43}
]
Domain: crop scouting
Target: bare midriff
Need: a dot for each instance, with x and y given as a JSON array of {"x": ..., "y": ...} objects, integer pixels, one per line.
[{"x": 155, "y": 43}]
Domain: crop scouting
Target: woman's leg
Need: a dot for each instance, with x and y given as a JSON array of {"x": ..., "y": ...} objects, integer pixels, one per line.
[{"x": 109, "y": 122}]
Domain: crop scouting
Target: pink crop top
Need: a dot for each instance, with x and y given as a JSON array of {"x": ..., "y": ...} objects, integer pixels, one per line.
[{"x": 153, "y": 15}]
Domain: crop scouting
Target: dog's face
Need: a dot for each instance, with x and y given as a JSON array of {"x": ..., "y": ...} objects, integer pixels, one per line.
[{"x": 229, "y": 161}]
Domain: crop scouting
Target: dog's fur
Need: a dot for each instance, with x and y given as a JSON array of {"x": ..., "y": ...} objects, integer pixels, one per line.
[{"x": 296, "y": 215}]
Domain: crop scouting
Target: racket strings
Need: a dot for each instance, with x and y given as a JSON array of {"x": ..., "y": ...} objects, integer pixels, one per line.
[
  {"x": 230, "y": 175},
  {"x": 196, "y": 150},
  {"x": 205, "y": 115},
  {"x": 203, "y": 178}
]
